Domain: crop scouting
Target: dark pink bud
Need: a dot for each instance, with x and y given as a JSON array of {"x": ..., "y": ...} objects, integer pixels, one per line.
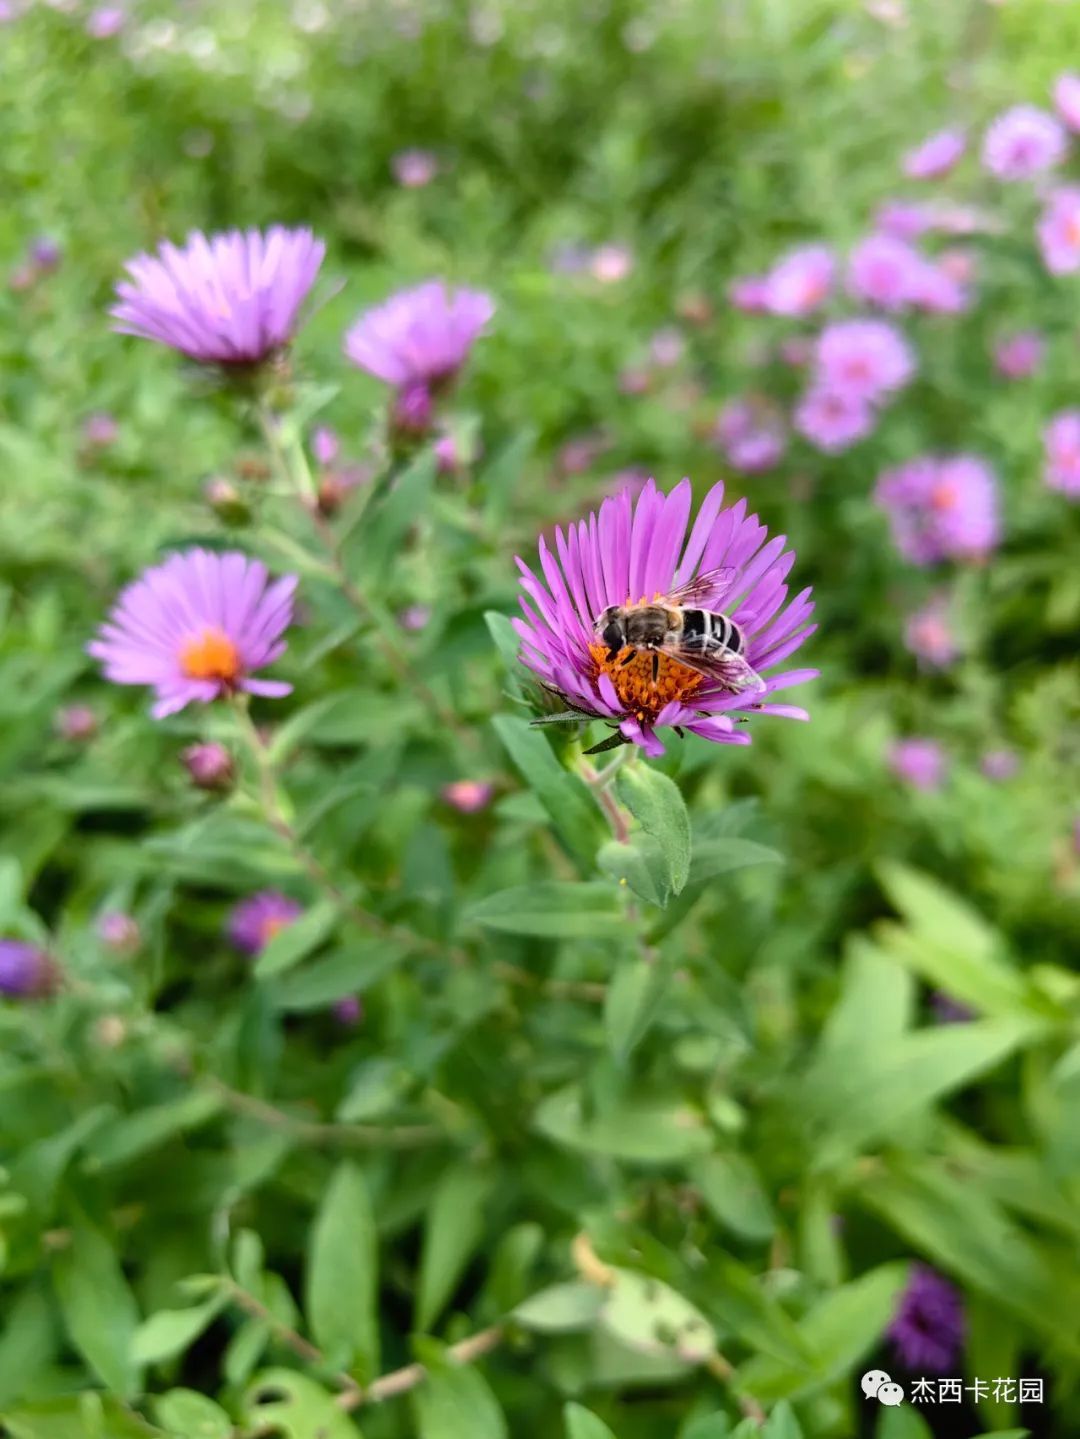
[{"x": 210, "y": 766}]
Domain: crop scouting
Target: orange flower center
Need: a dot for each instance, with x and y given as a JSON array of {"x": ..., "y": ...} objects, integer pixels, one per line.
[
  {"x": 274, "y": 925},
  {"x": 631, "y": 672},
  {"x": 944, "y": 497},
  {"x": 1072, "y": 231},
  {"x": 210, "y": 656}
]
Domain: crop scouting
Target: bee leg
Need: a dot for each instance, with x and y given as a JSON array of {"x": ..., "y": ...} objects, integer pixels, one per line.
[
  {"x": 680, "y": 731},
  {"x": 630, "y": 658},
  {"x": 611, "y": 655},
  {"x": 655, "y": 666}
]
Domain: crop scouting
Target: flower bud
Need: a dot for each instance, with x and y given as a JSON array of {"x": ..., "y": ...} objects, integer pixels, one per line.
[
  {"x": 76, "y": 723},
  {"x": 468, "y": 795},
  {"x": 349, "y": 1011},
  {"x": 325, "y": 445},
  {"x": 210, "y": 766},
  {"x": 119, "y": 932},
  {"x": 412, "y": 412},
  {"x": 226, "y": 501},
  {"x": 26, "y": 971}
]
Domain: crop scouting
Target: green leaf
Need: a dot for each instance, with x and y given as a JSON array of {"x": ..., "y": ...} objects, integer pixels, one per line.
[
  {"x": 902, "y": 1423},
  {"x": 576, "y": 817},
  {"x": 506, "y": 641},
  {"x": 170, "y": 1332},
  {"x": 631, "y": 1004},
  {"x": 286, "y": 1404},
  {"x": 553, "y": 909},
  {"x": 341, "y": 1293},
  {"x": 296, "y": 941},
  {"x": 28, "y": 1342},
  {"x": 387, "y": 520},
  {"x": 77, "y": 1416},
  {"x": 502, "y": 476},
  {"x": 583, "y": 1424},
  {"x": 741, "y": 1303},
  {"x": 561, "y": 1309},
  {"x": 713, "y": 857},
  {"x": 782, "y": 1424},
  {"x": 639, "y": 864},
  {"x": 657, "y": 804},
  {"x": 838, "y": 1332},
  {"x": 190, "y": 1415},
  {"x": 453, "y": 1228},
  {"x": 730, "y": 1186},
  {"x": 708, "y": 1426},
  {"x": 130, "y": 1135},
  {"x": 645, "y": 1132},
  {"x": 350, "y": 970},
  {"x": 99, "y": 1309},
  {"x": 457, "y": 1404},
  {"x": 652, "y": 1318}
]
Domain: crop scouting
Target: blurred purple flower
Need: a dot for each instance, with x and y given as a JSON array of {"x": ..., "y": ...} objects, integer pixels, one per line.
[
  {"x": 1019, "y": 355},
  {"x": 197, "y": 627},
  {"x": 941, "y": 508},
  {"x": 414, "y": 169},
  {"x": 1023, "y": 142},
  {"x": 918, "y": 762},
  {"x": 751, "y": 435},
  {"x": 349, "y": 1010},
  {"x": 833, "y": 421},
  {"x": 415, "y": 617},
  {"x": 255, "y": 921},
  {"x": 45, "y": 255},
  {"x": 863, "y": 359},
  {"x": 948, "y": 1010},
  {"x": 1061, "y": 440},
  {"x": 928, "y": 1327},
  {"x": 796, "y": 351},
  {"x": 26, "y": 972},
  {"x": 667, "y": 347},
  {"x": 468, "y": 795},
  {"x": 903, "y": 219},
  {"x": 1059, "y": 230},
  {"x": 936, "y": 156},
  {"x": 800, "y": 281},
  {"x": 100, "y": 430},
  {"x": 419, "y": 339},
  {"x": 227, "y": 299},
  {"x": 210, "y": 765},
  {"x": 928, "y": 634},
  {"x": 884, "y": 271},
  {"x": 999, "y": 764},
  {"x": 76, "y": 723},
  {"x": 325, "y": 445},
  {"x": 611, "y": 263},
  {"x": 105, "y": 21},
  {"x": 581, "y": 453},
  {"x": 119, "y": 932},
  {"x": 749, "y": 293},
  {"x": 1067, "y": 99},
  {"x": 940, "y": 287},
  {"x": 642, "y": 549}
]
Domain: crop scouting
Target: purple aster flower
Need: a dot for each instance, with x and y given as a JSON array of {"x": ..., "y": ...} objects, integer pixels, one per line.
[
  {"x": 26, "y": 972},
  {"x": 1023, "y": 142},
  {"x": 413, "y": 169},
  {"x": 105, "y": 21},
  {"x": 1059, "y": 231},
  {"x": 903, "y": 219},
  {"x": 76, "y": 723},
  {"x": 918, "y": 762},
  {"x": 254, "y": 921},
  {"x": 611, "y": 263},
  {"x": 885, "y": 271},
  {"x": 999, "y": 764},
  {"x": 638, "y": 551},
  {"x": 863, "y": 359},
  {"x": 801, "y": 281},
  {"x": 936, "y": 156},
  {"x": 1018, "y": 356},
  {"x": 468, "y": 796},
  {"x": 833, "y": 421},
  {"x": 948, "y": 1010},
  {"x": 325, "y": 445},
  {"x": 420, "y": 338},
  {"x": 1061, "y": 439},
  {"x": 119, "y": 932},
  {"x": 210, "y": 765},
  {"x": 231, "y": 299},
  {"x": 751, "y": 435},
  {"x": 197, "y": 627},
  {"x": 749, "y": 293},
  {"x": 45, "y": 254},
  {"x": 1067, "y": 99},
  {"x": 928, "y": 634},
  {"x": 941, "y": 508},
  {"x": 940, "y": 287},
  {"x": 928, "y": 1328},
  {"x": 415, "y": 617},
  {"x": 100, "y": 430},
  {"x": 667, "y": 347}
]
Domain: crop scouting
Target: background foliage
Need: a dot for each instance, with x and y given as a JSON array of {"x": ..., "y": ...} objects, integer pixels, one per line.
[{"x": 220, "y": 1207}]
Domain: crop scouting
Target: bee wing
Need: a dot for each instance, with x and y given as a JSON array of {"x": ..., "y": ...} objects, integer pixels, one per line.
[
  {"x": 724, "y": 667},
  {"x": 709, "y": 586}
]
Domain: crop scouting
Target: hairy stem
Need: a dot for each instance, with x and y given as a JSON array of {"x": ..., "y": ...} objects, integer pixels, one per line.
[{"x": 319, "y": 1133}]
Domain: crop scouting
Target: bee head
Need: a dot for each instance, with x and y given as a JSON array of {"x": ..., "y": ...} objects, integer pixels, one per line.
[{"x": 611, "y": 629}]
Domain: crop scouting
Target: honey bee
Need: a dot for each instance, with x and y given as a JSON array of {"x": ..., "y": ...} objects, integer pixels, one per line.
[{"x": 704, "y": 640}]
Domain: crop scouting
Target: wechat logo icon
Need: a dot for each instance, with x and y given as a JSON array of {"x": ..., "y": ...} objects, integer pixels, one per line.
[{"x": 876, "y": 1384}]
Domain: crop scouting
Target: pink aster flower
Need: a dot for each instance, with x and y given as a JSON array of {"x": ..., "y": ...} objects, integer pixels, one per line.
[
  {"x": 832, "y": 420},
  {"x": 749, "y": 293},
  {"x": 76, "y": 723},
  {"x": 230, "y": 299},
  {"x": 885, "y": 272},
  {"x": 105, "y": 21},
  {"x": 1067, "y": 99},
  {"x": 468, "y": 796},
  {"x": 100, "y": 430},
  {"x": 1059, "y": 231},
  {"x": 254, "y": 922},
  {"x": 1019, "y": 355},
  {"x": 414, "y": 169},
  {"x": 941, "y": 287},
  {"x": 941, "y": 508},
  {"x": 635, "y": 551},
  {"x": 929, "y": 635},
  {"x": 611, "y": 264},
  {"x": 936, "y": 156},
  {"x": 801, "y": 281},
  {"x": 1061, "y": 439},
  {"x": 418, "y": 340},
  {"x": 903, "y": 219},
  {"x": 918, "y": 762},
  {"x": 751, "y": 435},
  {"x": 1022, "y": 143},
  {"x": 325, "y": 445},
  {"x": 863, "y": 359},
  {"x": 197, "y": 627}
]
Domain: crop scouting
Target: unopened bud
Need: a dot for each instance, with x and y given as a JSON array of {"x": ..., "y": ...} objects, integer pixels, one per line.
[
  {"x": 119, "y": 932},
  {"x": 26, "y": 971},
  {"x": 76, "y": 723},
  {"x": 226, "y": 501},
  {"x": 210, "y": 766}
]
